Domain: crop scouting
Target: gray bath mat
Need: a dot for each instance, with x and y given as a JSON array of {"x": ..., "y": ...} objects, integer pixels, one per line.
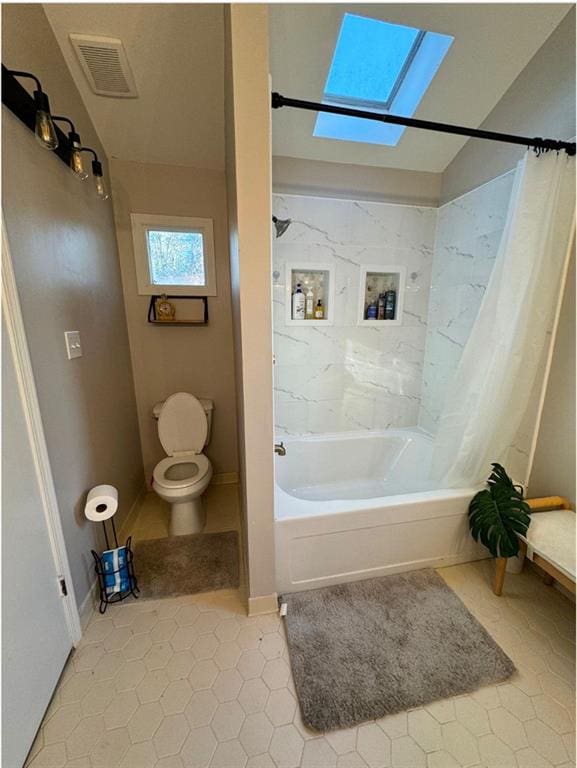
[
  {"x": 371, "y": 648},
  {"x": 183, "y": 565}
]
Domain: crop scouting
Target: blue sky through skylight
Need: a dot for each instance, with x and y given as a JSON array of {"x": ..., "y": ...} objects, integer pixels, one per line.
[
  {"x": 372, "y": 60},
  {"x": 368, "y": 58}
]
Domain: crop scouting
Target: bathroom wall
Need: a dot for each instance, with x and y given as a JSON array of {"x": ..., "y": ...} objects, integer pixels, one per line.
[
  {"x": 180, "y": 358},
  {"x": 468, "y": 234},
  {"x": 294, "y": 175},
  {"x": 540, "y": 102},
  {"x": 63, "y": 248},
  {"x": 554, "y": 464},
  {"x": 248, "y": 168},
  {"x": 345, "y": 376}
]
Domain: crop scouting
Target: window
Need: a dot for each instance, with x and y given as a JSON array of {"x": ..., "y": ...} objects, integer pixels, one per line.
[
  {"x": 379, "y": 67},
  {"x": 174, "y": 255}
]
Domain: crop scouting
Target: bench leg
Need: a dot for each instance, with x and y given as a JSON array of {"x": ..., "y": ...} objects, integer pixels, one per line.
[{"x": 500, "y": 575}]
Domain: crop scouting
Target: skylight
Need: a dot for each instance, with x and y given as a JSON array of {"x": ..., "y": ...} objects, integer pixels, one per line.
[{"x": 380, "y": 67}]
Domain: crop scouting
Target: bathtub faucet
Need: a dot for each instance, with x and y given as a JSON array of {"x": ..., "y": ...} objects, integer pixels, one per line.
[{"x": 280, "y": 449}]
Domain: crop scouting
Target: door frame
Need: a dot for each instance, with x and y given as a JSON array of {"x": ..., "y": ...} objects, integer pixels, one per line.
[{"x": 27, "y": 387}]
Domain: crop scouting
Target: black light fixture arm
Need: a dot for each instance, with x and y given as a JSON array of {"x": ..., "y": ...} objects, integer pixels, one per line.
[
  {"x": 278, "y": 101},
  {"x": 62, "y": 119},
  {"x": 16, "y": 73},
  {"x": 92, "y": 152},
  {"x": 96, "y": 164}
]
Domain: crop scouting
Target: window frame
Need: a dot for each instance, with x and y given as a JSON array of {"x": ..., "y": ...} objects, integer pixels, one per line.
[{"x": 143, "y": 222}]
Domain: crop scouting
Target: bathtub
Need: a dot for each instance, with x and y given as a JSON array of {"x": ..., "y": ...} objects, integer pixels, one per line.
[{"x": 355, "y": 505}]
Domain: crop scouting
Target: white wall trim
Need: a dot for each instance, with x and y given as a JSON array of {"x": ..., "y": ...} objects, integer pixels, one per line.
[
  {"x": 263, "y": 604},
  {"x": 27, "y": 387}
]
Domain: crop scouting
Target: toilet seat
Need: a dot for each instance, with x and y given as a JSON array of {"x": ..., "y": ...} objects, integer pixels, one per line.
[
  {"x": 165, "y": 465},
  {"x": 182, "y": 425}
]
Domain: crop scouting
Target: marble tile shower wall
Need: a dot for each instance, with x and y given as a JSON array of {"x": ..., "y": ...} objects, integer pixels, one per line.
[
  {"x": 345, "y": 376},
  {"x": 469, "y": 230}
]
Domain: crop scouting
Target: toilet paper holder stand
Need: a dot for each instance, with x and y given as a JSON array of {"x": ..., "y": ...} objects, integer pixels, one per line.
[{"x": 123, "y": 574}]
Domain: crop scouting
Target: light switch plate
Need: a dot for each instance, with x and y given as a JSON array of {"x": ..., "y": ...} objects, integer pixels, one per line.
[{"x": 73, "y": 345}]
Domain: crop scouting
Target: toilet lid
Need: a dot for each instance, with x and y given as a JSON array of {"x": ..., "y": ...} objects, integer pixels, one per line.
[{"x": 182, "y": 425}]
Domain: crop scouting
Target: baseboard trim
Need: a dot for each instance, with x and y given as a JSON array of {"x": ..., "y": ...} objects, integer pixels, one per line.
[
  {"x": 224, "y": 478},
  {"x": 89, "y": 605},
  {"x": 132, "y": 513},
  {"x": 263, "y": 604}
]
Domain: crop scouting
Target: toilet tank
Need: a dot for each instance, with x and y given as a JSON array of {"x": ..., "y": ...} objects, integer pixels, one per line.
[{"x": 208, "y": 406}]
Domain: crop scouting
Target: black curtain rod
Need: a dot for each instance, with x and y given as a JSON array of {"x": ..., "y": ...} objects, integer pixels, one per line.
[{"x": 278, "y": 101}]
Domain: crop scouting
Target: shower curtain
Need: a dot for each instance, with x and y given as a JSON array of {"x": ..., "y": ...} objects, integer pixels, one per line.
[{"x": 492, "y": 385}]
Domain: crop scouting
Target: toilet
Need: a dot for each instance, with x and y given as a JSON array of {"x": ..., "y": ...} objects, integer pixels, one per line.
[{"x": 184, "y": 427}]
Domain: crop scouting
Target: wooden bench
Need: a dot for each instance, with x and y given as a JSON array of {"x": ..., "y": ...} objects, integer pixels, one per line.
[{"x": 549, "y": 543}]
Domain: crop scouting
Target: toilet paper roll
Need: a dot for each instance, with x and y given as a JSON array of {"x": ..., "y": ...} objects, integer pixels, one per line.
[{"x": 101, "y": 503}]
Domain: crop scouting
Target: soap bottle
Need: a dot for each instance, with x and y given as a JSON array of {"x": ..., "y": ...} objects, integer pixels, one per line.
[
  {"x": 298, "y": 304},
  {"x": 310, "y": 304},
  {"x": 390, "y": 303},
  {"x": 319, "y": 310}
]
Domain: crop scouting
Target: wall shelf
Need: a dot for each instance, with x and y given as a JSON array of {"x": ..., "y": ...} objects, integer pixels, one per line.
[
  {"x": 190, "y": 310},
  {"x": 321, "y": 279},
  {"x": 376, "y": 279}
]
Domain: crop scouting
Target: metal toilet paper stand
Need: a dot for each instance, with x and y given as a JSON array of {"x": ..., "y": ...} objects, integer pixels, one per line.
[{"x": 124, "y": 571}]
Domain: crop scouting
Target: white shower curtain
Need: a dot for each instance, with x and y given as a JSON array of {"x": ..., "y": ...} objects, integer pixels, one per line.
[{"x": 492, "y": 385}]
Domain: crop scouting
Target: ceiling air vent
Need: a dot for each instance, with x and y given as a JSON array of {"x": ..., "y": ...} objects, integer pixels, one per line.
[{"x": 105, "y": 64}]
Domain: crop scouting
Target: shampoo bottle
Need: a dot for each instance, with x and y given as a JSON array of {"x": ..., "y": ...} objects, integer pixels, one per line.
[
  {"x": 381, "y": 307},
  {"x": 390, "y": 303},
  {"x": 310, "y": 304},
  {"x": 298, "y": 304},
  {"x": 319, "y": 310}
]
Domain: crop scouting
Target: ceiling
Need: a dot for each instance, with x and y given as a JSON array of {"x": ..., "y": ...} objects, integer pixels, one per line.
[
  {"x": 493, "y": 43},
  {"x": 176, "y": 52}
]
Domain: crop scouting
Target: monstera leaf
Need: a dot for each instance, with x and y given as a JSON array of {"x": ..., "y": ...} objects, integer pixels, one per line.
[{"x": 498, "y": 513}]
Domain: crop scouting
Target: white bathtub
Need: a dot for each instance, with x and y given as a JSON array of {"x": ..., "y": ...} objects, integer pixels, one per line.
[{"x": 355, "y": 505}]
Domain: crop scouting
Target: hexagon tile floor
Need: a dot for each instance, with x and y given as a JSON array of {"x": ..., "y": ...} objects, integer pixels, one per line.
[{"x": 191, "y": 682}]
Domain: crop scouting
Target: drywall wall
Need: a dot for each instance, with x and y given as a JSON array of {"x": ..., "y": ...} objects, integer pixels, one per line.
[
  {"x": 179, "y": 358},
  {"x": 540, "y": 102},
  {"x": 291, "y": 175},
  {"x": 248, "y": 154},
  {"x": 554, "y": 463},
  {"x": 65, "y": 259}
]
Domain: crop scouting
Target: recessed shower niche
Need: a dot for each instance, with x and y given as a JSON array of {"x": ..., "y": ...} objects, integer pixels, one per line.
[
  {"x": 317, "y": 284},
  {"x": 381, "y": 294}
]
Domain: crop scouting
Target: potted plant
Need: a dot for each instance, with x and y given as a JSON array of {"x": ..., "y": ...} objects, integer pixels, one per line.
[{"x": 498, "y": 514}]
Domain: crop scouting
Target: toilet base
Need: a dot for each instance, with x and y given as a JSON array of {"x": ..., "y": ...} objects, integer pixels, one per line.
[{"x": 187, "y": 517}]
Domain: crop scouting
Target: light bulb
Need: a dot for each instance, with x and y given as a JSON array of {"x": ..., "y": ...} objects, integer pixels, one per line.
[
  {"x": 100, "y": 188},
  {"x": 76, "y": 164},
  {"x": 45, "y": 130}
]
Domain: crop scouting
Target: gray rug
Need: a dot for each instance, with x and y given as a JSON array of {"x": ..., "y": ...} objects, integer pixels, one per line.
[
  {"x": 371, "y": 648},
  {"x": 183, "y": 565}
]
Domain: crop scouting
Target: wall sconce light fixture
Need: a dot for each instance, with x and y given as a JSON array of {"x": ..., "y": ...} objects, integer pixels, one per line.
[
  {"x": 99, "y": 185},
  {"x": 45, "y": 131},
  {"x": 75, "y": 148},
  {"x": 34, "y": 112}
]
